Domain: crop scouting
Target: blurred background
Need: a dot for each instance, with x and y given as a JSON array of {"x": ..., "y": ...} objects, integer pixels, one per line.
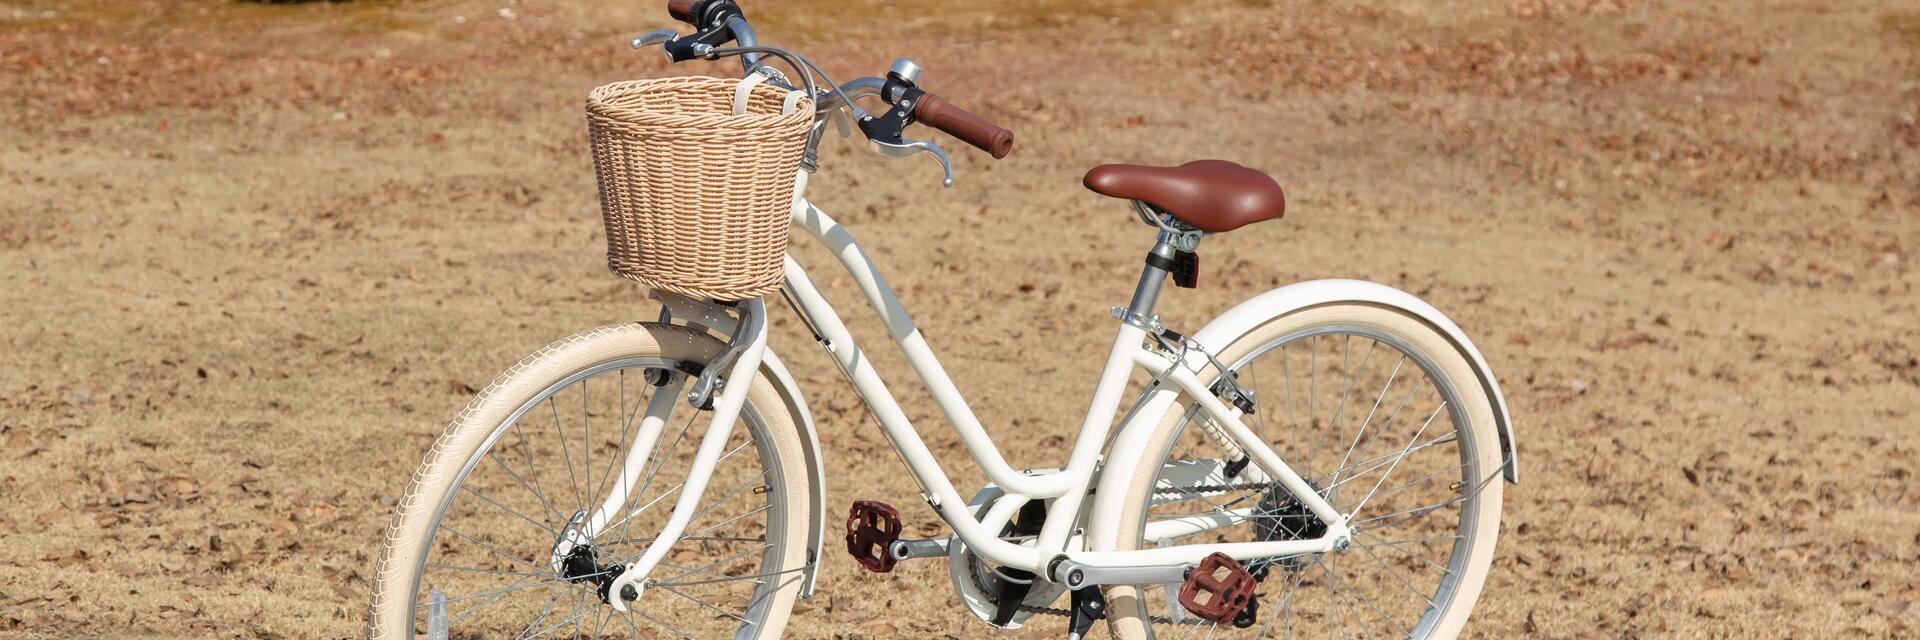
[{"x": 253, "y": 256}]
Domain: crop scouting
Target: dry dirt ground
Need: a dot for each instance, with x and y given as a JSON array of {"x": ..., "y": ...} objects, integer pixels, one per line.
[{"x": 253, "y": 257}]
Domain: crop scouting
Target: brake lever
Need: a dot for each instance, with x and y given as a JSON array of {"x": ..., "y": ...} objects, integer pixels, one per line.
[
  {"x": 657, "y": 36},
  {"x": 908, "y": 148},
  {"x": 884, "y": 130}
]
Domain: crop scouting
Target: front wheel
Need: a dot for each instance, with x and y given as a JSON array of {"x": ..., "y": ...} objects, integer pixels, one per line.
[
  {"x": 563, "y": 469},
  {"x": 1385, "y": 417}
]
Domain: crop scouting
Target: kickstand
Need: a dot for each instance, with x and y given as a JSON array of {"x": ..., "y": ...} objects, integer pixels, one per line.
[{"x": 1088, "y": 606}]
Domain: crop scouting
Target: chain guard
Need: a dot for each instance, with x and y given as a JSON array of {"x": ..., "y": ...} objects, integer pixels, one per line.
[{"x": 982, "y": 586}]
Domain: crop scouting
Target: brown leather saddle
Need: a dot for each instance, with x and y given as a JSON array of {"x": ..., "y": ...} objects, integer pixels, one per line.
[{"x": 1210, "y": 195}]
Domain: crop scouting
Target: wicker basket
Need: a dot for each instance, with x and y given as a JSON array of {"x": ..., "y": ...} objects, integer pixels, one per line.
[{"x": 696, "y": 199}]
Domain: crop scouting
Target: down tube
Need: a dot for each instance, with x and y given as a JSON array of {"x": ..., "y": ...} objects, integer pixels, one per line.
[
  {"x": 899, "y": 430},
  {"x": 927, "y": 366}
]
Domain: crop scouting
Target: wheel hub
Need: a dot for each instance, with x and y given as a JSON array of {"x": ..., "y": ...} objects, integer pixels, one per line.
[
  {"x": 1284, "y": 517},
  {"x": 582, "y": 566}
]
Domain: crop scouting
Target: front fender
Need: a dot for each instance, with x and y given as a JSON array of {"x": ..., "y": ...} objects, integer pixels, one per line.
[{"x": 1288, "y": 299}]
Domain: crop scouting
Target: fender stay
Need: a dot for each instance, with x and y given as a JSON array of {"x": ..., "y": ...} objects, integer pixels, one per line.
[
  {"x": 789, "y": 390},
  {"x": 1288, "y": 299}
]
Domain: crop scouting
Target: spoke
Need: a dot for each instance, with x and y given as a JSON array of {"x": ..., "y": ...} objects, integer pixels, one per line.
[
  {"x": 586, "y": 444},
  {"x": 627, "y": 541},
  {"x": 1364, "y": 423},
  {"x": 1389, "y": 543},
  {"x": 628, "y": 618},
  {"x": 1376, "y": 609},
  {"x": 1424, "y": 479},
  {"x": 490, "y": 548},
  {"x": 573, "y": 615},
  {"x": 1378, "y": 462},
  {"x": 1346, "y": 387},
  {"x": 676, "y": 487},
  {"x": 583, "y": 614},
  {"x": 655, "y": 621},
  {"x": 469, "y": 489},
  {"x": 600, "y": 628},
  {"x": 1403, "y": 456},
  {"x": 1444, "y": 570},
  {"x": 703, "y": 569},
  {"x": 1286, "y": 610},
  {"x": 1403, "y": 579},
  {"x": 450, "y": 567},
  {"x": 734, "y": 519},
  {"x": 649, "y": 505},
  {"x": 516, "y": 585},
  {"x": 702, "y": 603},
  {"x": 751, "y": 481},
  {"x": 653, "y": 469},
  {"x": 756, "y": 579},
  {"x": 1259, "y": 424},
  {"x": 548, "y": 510},
  {"x": 496, "y": 595},
  {"x": 532, "y": 469},
  {"x": 696, "y": 516},
  {"x": 1296, "y": 589},
  {"x": 622, "y": 445},
  {"x": 1333, "y": 598},
  {"x": 1286, "y": 373},
  {"x": 551, "y": 600},
  {"x": 1313, "y": 388},
  {"x": 1395, "y": 414},
  {"x": 1420, "y": 511},
  {"x": 573, "y": 480}
]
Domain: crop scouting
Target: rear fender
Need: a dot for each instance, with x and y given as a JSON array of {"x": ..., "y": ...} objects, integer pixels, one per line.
[
  {"x": 1288, "y": 299},
  {"x": 1129, "y": 443}
]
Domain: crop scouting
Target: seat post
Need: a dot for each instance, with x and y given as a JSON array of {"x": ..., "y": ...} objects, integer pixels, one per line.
[{"x": 1152, "y": 277}]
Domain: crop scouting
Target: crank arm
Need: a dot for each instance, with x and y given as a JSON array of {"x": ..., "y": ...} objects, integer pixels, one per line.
[{"x": 908, "y": 148}]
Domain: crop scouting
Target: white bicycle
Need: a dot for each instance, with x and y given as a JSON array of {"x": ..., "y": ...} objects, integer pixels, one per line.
[{"x": 1322, "y": 459}]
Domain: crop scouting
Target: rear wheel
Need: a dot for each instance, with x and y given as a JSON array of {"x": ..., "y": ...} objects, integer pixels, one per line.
[
  {"x": 1387, "y": 419},
  {"x": 475, "y": 550}
]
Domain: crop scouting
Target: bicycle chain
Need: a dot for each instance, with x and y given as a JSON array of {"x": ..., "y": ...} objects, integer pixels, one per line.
[{"x": 1216, "y": 488}]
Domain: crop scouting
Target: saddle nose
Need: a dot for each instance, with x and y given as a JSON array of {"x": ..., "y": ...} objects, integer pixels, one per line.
[{"x": 1211, "y": 195}]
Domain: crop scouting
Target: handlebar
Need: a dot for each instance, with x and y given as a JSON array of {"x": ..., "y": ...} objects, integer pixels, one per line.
[
  {"x": 934, "y": 111},
  {"x": 721, "y": 20},
  {"x": 683, "y": 10}
]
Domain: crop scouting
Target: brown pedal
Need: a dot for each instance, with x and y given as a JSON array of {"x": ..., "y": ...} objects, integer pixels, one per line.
[
  {"x": 872, "y": 527},
  {"x": 1217, "y": 590}
]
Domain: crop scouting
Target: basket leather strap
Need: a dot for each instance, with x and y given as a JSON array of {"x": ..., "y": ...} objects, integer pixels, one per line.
[{"x": 745, "y": 89}]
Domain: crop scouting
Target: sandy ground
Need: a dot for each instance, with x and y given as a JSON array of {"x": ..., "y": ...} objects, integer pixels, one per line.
[{"x": 252, "y": 258}]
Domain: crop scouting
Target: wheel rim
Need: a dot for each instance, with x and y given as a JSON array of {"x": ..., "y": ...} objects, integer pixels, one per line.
[
  {"x": 527, "y": 481},
  {"x": 1412, "y": 487}
]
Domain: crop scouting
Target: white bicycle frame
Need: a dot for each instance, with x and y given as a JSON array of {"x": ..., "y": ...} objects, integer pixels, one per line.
[{"x": 1075, "y": 533}]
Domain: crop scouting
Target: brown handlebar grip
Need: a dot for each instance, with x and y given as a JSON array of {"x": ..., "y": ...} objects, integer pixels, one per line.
[
  {"x": 682, "y": 10},
  {"x": 936, "y": 112}
]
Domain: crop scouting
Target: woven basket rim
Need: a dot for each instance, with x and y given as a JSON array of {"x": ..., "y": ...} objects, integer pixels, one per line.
[{"x": 601, "y": 101}]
